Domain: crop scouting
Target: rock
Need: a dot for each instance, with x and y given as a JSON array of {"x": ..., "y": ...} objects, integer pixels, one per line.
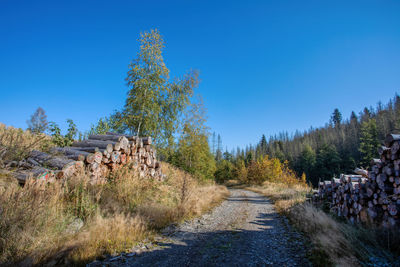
[
  {"x": 115, "y": 258},
  {"x": 157, "y": 238},
  {"x": 27, "y": 262},
  {"x": 75, "y": 226},
  {"x": 94, "y": 264},
  {"x": 51, "y": 263}
]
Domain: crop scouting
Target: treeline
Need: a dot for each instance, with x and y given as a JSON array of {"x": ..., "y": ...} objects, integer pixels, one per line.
[{"x": 321, "y": 153}]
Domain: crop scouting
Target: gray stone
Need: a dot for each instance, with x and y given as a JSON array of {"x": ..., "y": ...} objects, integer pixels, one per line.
[{"x": 75, "y": 226}]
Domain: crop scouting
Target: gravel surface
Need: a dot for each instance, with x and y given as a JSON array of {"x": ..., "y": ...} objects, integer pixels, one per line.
[{"x": 244, "y": 230}]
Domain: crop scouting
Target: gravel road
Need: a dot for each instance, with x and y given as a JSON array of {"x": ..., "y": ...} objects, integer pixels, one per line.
[{"x": 244, "y": 230}]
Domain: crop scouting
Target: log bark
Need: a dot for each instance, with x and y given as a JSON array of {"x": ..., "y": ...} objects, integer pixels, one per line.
[
  {"x": 87, "y": 149},
  {"x": 49, "y": 160},
  {"x": 77, "y": 157},
  {"x": 362, "y": 172},
  {"x": 35, "y": 173},
  {"x": 98, "y": 155},
  {"x": 68, "y": 151},
  {"x": 375, "y": 161},
  {"x": 94, "y": 143},
  {"x": 105, "y": 137},
  {"x": 129, "y": 137},
  {"x": 383, "y": 150},
  {"x": 395, "y": 147},
  {"x": 390, "y": 138},
  {"x": 146, "y": 140}
]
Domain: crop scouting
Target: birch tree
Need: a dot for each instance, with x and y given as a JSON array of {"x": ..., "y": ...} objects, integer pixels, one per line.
[{"x": 154, "y": 102}]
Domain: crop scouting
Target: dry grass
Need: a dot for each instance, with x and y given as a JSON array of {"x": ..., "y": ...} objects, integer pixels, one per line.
[
  {"x": 284, "y": 195},
  {"x": 234, "y": 183},
  {"x": 37, "y": 220},
  {"x": 15, "y": 143},
  {"x": 335, "y": 242}
]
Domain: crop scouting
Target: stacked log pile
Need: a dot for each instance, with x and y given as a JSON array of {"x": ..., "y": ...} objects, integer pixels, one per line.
[
  {"x": 372, "y": 196},
  {"x": 384, "y": 183},
  {"x": 348, "y": 197},
  {"x": 325, "y": 190},
  {"x": 98, "y": 155}
]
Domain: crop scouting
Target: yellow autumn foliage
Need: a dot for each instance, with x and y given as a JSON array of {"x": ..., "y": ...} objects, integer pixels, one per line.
[{"x": 270, "y": 169}]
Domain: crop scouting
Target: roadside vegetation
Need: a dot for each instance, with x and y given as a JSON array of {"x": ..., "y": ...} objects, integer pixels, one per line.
[
  {"x": 74, "y": 221},
  {"x": 335, "y": 242}
]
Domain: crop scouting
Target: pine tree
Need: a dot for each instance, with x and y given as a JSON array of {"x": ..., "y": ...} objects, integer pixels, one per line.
[
  {"x": 353, "y": 117},
  {"x": 263, "y": 145},
  {"x": 365, "y": 115},
  {"x": 213, "y": 143},
  {"x": 38, "y": 121},
  {"x": 396, "y": 107},
  {"x": 369, "y": 142},
  {"x": 249, "y": 158},
  {"x": 218, "y": 155},
  {"x": 336, "y": 117},
  {"x": 327, "y": 163},
  {"x": 228, "y": 156},
  {"x": 307, "y": 161},
  {"x": 225, "y": 171}
]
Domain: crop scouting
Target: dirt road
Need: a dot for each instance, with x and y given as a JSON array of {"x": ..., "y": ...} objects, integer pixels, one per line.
[{"x": 244, "y": 230}]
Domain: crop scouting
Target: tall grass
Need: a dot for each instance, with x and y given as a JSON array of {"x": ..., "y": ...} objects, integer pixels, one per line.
[
  {"x": 284, "y": 195},
  {"x": 39, "y": 221},
  {"x": 74, "y": 221},
  {"x": 15, "y": 143}
]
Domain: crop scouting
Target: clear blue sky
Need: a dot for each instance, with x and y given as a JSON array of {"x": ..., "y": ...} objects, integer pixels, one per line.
[{"x": 266, "y": 66}]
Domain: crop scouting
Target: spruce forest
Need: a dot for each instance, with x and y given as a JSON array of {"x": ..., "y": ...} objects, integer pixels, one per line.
[{"x": 320, "y": 153}]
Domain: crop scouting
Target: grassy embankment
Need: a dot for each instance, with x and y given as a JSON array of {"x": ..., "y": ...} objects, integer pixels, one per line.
[
  {"x": 335, "y": 241},
  {"x": 73, "y": 222}
]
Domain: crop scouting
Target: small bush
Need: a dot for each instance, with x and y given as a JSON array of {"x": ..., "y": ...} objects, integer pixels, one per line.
[
  {"x": 63, "y": 140},
  {"x": 267, "y": 169}
]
